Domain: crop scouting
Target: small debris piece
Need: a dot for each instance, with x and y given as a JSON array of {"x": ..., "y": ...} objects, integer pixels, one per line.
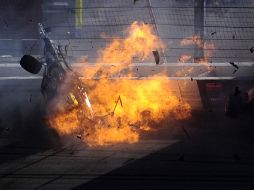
[
  {"x": 213, "y": 33},
  {"x": 79, "y": 137},
  {"x": 237, "y": 91},
  {"x": 234, "y": 65},
  {"x": 186, "y": 132},
  {"x": 129, "y": 161},
  {"x": 252, "y": 49},
  {"x": 234, "y": 71},
  {"x": 156, "y": 57},
  {"x": 118, "y": 100}
]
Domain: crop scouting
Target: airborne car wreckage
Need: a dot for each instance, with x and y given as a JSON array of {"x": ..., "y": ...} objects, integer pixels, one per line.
[{"x": 56, "y": 71}]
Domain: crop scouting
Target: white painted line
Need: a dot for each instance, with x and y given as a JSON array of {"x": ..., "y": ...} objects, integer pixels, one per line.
[
  {"x": 125, "y": 78},
  {"x": 61, "y": 4},
  {"x": 6, "y": 39},
  {"x": 191, "y": 64},
  {"x": 25, "y": 39},
  {"x": 6, "y": 56},
  {"x": 21, "y": 78},
  {"x": 80, "y": 64},
  {"x": 163, "y": 78},
  {"x": 240, "y": 64},
  {"x": 9, "y": 65},
  {"x": 53, "y": 11}
]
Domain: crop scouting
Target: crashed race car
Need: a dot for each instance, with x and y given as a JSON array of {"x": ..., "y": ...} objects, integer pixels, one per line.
[{"x": 56, "y": 71}]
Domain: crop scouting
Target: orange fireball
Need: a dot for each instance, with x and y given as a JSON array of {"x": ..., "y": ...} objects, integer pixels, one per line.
[{"x": 123, "y": 108}]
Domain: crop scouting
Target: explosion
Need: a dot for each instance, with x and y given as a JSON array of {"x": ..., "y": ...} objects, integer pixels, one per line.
[{"x": 122, "y": 108}]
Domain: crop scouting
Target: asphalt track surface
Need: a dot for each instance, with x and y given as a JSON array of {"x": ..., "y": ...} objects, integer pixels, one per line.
[{"x": 208, "y": 151}]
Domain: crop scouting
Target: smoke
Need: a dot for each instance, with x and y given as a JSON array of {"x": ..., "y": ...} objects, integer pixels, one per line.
[{"x": 22, "y": 117}]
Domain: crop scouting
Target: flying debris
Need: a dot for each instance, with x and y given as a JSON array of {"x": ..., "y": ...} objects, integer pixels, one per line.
[
  {"x": 213, "y": 33},
  {"x": 234, "y": 103},
  {"x": 186, "y": 132},
  {"x": 234, "y": 65},
  {"x": 121, "y": 103},
  {"x": 156, "y": 57},
  {"x": 252, "y": 49},
  {"x": 79, "y": 136}
]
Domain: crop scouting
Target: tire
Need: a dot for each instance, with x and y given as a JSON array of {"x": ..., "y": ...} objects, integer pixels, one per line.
[{"x": 30, "y": 64}]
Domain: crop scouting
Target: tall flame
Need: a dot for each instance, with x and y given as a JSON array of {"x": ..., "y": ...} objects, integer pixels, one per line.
[{"x": 139, "y": 43}]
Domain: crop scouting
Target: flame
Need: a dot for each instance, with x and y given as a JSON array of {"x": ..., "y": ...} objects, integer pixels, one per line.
[
  {"x": 64, "y": 123},
  {"x": 185, "y": 58},
  {"x": 140, "y": 42},
  {"x": 137, "y": 96},
  {"x": 185, "y": 72},
  {"x": 193, "y": 40},
  {"x": 144, "y": 103},
  {"x": 208, "y": 48},
  {"x": 123, "y": 108}
]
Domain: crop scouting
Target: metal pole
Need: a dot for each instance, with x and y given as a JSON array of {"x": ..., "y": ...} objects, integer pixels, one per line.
[
  {"x": 199, "y": 28},
  {"x": 155, "y": 28},
  {"x": 78, "y": 17}
]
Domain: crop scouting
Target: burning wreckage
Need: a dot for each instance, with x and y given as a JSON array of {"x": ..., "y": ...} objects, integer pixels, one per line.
[
  {"x": 120, "y": 109},
  {"x": 56, "y": 70}
]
